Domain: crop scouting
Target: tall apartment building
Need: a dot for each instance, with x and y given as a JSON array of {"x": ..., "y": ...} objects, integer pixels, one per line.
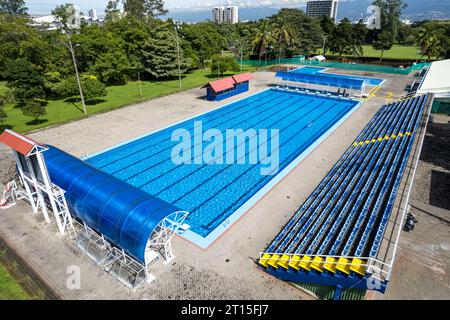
[
  {"x": 228, "y": 14},
  {"x": 319, "y": 8}
]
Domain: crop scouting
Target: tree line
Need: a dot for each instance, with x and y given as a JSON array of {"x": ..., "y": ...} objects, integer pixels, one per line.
[{"x": 37, "y": 64}]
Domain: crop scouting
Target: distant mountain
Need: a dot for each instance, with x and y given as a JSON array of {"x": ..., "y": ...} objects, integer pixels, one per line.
[{"x": 352, "y": 9}]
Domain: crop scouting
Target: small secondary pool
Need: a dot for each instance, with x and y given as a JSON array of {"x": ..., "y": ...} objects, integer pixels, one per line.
[
  {"x": 314, "y": 70},
  {"x": 216, "y": 195}
]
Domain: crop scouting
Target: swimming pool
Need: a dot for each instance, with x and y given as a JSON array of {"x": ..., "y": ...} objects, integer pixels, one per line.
[
  {"x": 313, "y": 70},
  {"x": 217, "y": 195}
]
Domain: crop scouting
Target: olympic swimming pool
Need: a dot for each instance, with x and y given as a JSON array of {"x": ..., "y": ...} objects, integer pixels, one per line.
[
  {"x": 313, "y": 70},
  {"x": 217, "y": 195}
]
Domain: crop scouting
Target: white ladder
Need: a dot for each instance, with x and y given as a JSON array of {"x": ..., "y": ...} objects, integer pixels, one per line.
[{"x": 63, "y": 211}]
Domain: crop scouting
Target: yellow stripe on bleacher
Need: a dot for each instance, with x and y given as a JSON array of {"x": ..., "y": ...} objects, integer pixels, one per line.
[
  {"x": 330, "y": 264},
  {"x": 317, "y": 263},
  {"x": 379, "y": 139},
  {"x": 343, "y": 265},
  {"x": 273, "y": 260},
  {"x": 305, "y": 263},
  {"x": 358, "y": 266},
  {"x": 284, "y": 261},
  {"x": 264, "y": 260},
  {"x": 294, "y": 262}
]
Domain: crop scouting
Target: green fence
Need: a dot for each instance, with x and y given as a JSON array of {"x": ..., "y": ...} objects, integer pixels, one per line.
[
  {"x": 441, "y": 107},
  {"x": 338, "y": 65},
  {"x": 327, "y": 292}
]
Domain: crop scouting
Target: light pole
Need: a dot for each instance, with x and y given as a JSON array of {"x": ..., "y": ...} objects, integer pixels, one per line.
[
  {"x": 72, "y": 52},
  {"x": 323, "y": 43},
  {"x": 241, "y": 51}
]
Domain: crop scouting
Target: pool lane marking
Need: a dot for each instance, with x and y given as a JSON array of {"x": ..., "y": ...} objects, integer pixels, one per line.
[
  {"x": 293, "y": 104},
  {"x": 216, "y": 113},
  {"x": 205, "y": 243}
]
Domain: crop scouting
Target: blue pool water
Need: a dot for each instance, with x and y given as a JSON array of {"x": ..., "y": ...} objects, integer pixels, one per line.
[
  {"x": 212, "y": 193},
  {"x": 314, "y": 70}
]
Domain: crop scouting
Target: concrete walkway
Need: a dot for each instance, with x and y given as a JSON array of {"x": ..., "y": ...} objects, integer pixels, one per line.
[{"x": 227, "y": 269}]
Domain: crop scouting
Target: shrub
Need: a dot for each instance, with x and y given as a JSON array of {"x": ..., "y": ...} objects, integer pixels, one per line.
[
  {"x": 222, "y": 64},
  {"x": 34, "y": 109},
  {"x": 93, "y": 88}
]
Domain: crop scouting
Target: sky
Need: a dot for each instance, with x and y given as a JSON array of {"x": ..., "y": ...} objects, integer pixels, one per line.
[{"x": 45, "y": 6}]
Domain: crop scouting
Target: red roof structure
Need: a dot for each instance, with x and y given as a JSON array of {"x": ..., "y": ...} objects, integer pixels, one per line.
[
  {"x": 18, "y": 142},
  {"x": 228, "y": 83},
  {"x": 222, "y": 84},
  {"x": 239, "y": 78}
]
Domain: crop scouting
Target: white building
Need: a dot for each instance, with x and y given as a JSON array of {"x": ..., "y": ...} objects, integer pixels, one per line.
[
  {"x": 232, "y": 14},
  {"x": 319, "y": 8},
  {"x": 51, "y": 23},
  {"x": 229, "y": 14}
]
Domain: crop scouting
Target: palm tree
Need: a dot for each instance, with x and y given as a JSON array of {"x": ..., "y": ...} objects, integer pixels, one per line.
[
  {"x": 428, "y": 41},
  {"x": 263, "y": 39},
  {"x": 284, "y": 33}
]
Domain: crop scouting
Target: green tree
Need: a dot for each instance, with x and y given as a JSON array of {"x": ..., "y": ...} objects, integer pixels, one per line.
[
  {"x": 3, "y": 114},
  {"x": 13, "y": 7},
  {"x": 155, "y": 8},
  {"x": 112, "y": 11},
  {"x": 343, "y": 39},
  {"x": 284, "y": 34},
  {"x": 112, "y": 67},
  {"x": 429, "y": 40},
  {"x": 308, "y": 31},
  {"x": 383, "y": 43},
  {"x": 160, "y": 56},
  {"x": 65, "y": 14},
  {"x": 327, "y": 25},
  {"x": 221, "y": 64},
  {"x": 34, "y": 109},
  {"x": 262, "y": 39},
  {"x": 134, "y": 8},
  {"x": 204, "y": 39},
  {"x": 25, "y": 82},
  {"x": 359, "y": 34},
  {"x": 391, "y": 11},
  {"x": 66, "y": 88},
  {"x": 93, "y": 89},
  {"x": 142, "y": 8}
]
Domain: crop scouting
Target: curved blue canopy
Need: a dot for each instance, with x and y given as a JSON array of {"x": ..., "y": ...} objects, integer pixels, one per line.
[
  {"x": 124, "y": 214},
  {"x": 322, "y": 79}
]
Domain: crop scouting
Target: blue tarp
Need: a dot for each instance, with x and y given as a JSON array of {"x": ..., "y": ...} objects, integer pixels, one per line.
[
  {"x": 124, "y": 214},
  {"x": 322, "y": 79}
]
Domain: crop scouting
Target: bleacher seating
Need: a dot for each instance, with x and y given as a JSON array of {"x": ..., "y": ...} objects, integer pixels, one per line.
[{"x": 342, "y": 223}]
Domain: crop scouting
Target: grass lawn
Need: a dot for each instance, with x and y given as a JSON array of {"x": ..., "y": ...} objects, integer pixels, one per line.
[
  {"x": 61, "y": 111},
  {"x": 9, "y": 288},
  {"x": 396, "y": 52}
]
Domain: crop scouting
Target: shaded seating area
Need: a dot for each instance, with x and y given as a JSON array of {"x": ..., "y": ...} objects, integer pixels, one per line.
[
  {"x": 225, "y": 88},
  {"x": 335, "y": 237}
]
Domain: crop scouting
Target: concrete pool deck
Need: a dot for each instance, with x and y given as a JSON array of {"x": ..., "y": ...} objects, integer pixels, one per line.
[{"x": 227, "y": 269}]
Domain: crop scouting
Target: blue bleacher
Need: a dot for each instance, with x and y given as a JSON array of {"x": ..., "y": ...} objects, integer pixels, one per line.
[{"x": 342, "y": 223}]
